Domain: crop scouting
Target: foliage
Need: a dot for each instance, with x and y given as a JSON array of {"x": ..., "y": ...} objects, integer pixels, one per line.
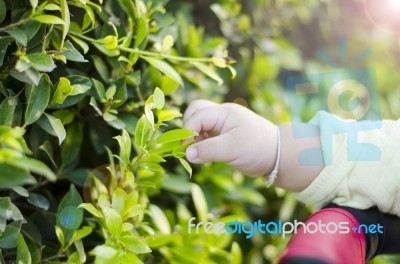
[{"x": 92, "y": 166}]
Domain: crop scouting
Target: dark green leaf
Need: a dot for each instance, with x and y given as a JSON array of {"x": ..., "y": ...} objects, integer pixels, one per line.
[
  {"x": 70, "y": 217},
  {"x": 7, "y": 109},
  {"x": 3, "y": 11},
  {"x": 19, "y": 36},
  {"x": 38, "y": 99},
  {"x": 9, "y": 239},
  {"x": 4, "y": 43},
  {"x": 5, "y": 204},
  {"x": 39, "y": 201}
]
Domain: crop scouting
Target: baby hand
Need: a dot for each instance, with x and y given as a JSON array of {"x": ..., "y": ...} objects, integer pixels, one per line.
[{"x": 232, "y": 134}]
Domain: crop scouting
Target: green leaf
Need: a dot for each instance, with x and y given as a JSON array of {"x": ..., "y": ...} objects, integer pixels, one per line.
[
  {"x": 159, "y": 99},
  {"x": 113, "y": 221},
  {"x": 3, "y": 11},
  {"x": 135, "y": 245},
  {"x": 66, "y": 18},
  {"x": 19, "y": 36},
  {"x": 39, "y": 201},
  {"x": 165, "y": 68},
  {"x": 175, "y": 135},
  {"x": 101, "y": 68},
  {"x": 236, "y": 253},
  {"x": 142, "y": 31},
  {"x": 167, "y": 115},
  {"x": 159, "y": 219},
  {"x": 72, "y": 54},
  {"x": 19, "y": 177},
  {"x": 7, "y": 110},
  {"x": 104, "y": 252},
  {"x": 60, "y": 235},
  {"x": 4, "y": 43},
  {"x": 64, "y": 89},
  {"x": 167, "y": 43},
  {"x": 207, "y": 70},
  {"x": 53, "y": 126},
  {"x": 5, "y": 204},
  {"x": 81, "y": 43},
  {"x": 38, "y": 99},
  {"x": 33, "y": 165},
  {"x": 9, "y": 238},
  {"x": 21, "y": 191},
  {"x": 142, "y": 132},
  {"x": 200, "y": 202},
  {"x": 72, "y": 145},
  {"x": 91, "y": 209},
  {"x": 41, "y": 62},
  {"x": 34, "y": 4},
  {"x": 49, "y": 19},
  {"x": 70, "y": 217},
  {"x": 187, "y": 166}
]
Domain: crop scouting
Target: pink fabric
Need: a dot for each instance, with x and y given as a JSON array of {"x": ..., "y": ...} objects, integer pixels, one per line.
[{"x": 334, "y": 248}]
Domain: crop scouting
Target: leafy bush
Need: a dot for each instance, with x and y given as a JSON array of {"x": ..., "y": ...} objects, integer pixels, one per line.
[{"x": 79, "y": 80}]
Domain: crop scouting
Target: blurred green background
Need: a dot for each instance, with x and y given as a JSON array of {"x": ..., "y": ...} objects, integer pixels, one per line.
[{"x": 272, "y": 41}]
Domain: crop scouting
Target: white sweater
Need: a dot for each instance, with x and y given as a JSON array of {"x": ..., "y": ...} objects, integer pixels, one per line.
[{"x": 360, "y": 184}]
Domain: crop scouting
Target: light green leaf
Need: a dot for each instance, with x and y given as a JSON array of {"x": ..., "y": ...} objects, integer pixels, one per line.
[
  {"x": 79, "y": 89},
  {"x": 142, "y": 131},
  {"x": 60, "y": 235},
  {"x": 39, "y": 201},
  {"x": 135, "y": 245},
  {"x": 84, "y": 46},
  {"x": 66, "y": 18},
  {"x": 159, "y": 219},
  {"x": 167, "y": 43},
  {"x": 142, "y": 31},
  {"x": 167, "y": 115},
  {"x": 200, "y": 202},
  {"x": 210, "y": 72},
  {"x": 118, "y": 200},
  {"x": 187, "y": 166},
  {"x": 175, "y": 135},
  {"x": 64, "y": 89},
  {"x": 113, "y": 221},
  {"x": 49, "y": 19},
  {"x": 53, "y": 126},
  {"x": 33, "y": 165},
  {"x": 236, "y": 254},
  {"x": 38, "y": 99},
  {"x": 91, "y": 209},
  {"x": 159, "y": 99},
  {"x": 34, "y": 3},
  {"x": 52, "y": 7},
  {"x": 104, "y": 252},
  {"x": 165, "y": 68}
]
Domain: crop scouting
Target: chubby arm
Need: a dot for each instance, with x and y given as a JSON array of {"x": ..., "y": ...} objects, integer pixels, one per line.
[{"x": 237, "y": 136}]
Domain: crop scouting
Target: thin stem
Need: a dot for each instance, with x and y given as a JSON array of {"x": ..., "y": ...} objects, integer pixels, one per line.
[
  {"x": 21, "y": 22},
  {"x": 164, "y": 56}
]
